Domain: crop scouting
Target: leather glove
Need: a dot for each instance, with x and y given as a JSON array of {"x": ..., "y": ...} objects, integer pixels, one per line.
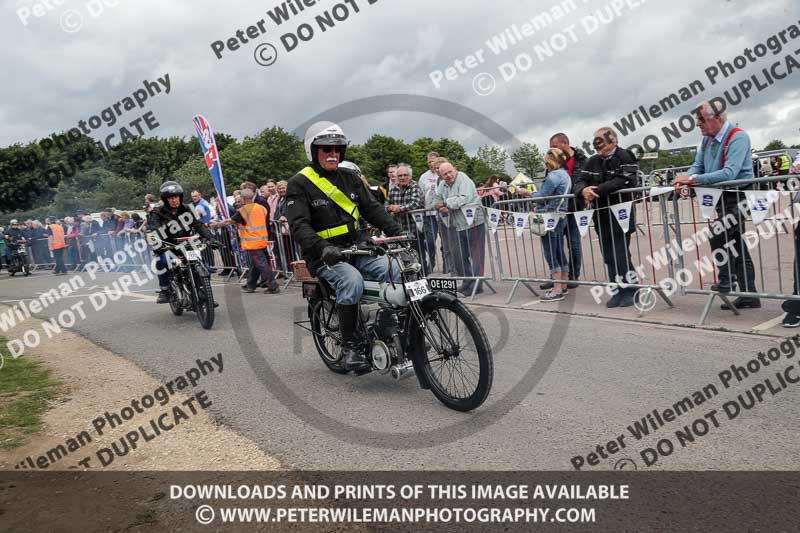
[{"x": 332, "y": 255}]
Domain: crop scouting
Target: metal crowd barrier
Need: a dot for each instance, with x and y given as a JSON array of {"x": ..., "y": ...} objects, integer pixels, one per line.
[
  {"x": 462, "y": 253},
  {"x": 522, "y": 258}
]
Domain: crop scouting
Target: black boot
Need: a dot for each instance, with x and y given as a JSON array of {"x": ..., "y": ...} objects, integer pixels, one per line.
[
  {"x": 163, "y": 296},
  {"x": 723, "y": 283},
  {"x": 743, "y": 302},
  {"x": 352, "y": 355}
]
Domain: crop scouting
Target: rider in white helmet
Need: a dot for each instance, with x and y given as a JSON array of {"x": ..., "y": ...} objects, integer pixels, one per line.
[{"x": 324, "y": 202}]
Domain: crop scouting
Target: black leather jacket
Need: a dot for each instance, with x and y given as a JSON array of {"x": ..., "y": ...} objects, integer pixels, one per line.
[{"x": 310, "y": 210}]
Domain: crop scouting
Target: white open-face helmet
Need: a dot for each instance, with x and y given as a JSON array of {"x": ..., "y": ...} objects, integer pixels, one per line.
[
  {"x": 351, "y": 166},
  {"x": 324, "y": 134}
]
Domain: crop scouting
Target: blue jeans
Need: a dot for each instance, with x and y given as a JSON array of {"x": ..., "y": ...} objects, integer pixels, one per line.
[
  {"x": 553, "y": 248},
  {"x": 162, "y": 268},
  {"x": 429, "y": 245},
  {"x": 347, "y": 279},
  {"x": 573, "y": 236}
]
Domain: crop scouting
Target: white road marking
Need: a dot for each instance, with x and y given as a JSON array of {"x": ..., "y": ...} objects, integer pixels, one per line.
[{"x": 769, "y": 324}]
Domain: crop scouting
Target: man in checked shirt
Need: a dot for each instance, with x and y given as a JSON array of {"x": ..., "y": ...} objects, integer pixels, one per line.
[{"x": 405, "y": 197}]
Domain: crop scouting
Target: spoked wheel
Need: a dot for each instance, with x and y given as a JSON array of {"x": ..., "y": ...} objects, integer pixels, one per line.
[
  {"x": 458, "y": 359},
  {"x": 175, "y": 298},
  {"x": 325, "y": 330},
  {"x": 205, "y": 302}
]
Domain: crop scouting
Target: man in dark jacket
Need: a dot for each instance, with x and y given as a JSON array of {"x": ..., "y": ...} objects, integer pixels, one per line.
[
  {"x": 605, "y": 173},
  {"x": 171, "y": 221},
  {"x": 324, "y": 203},
  {"x": 574, "y": 167}
]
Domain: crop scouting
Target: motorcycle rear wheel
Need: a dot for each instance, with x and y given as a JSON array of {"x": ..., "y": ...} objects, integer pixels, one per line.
[
  {"x": 175, "y": 304},
  {"x": 324, "y": 324}
]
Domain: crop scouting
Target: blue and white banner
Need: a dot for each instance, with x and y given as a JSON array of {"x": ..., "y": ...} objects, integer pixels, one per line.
[
  {"x": 622, "y": 212},
  {"x": 493, "y": 216},
  {"x": 759, "y": 203},
  {"x": 708, "y": 199},
  {"x": 209, "y": 147},
  {"x": 583, "y": 219}
]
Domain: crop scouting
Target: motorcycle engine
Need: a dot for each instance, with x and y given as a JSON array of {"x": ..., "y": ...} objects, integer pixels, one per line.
[{"x": 387, "y": 324}]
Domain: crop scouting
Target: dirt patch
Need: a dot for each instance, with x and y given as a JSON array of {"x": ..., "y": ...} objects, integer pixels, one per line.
[{"x": 97, "y": 380}]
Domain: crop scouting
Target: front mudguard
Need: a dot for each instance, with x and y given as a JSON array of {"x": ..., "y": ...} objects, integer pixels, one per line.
[{"x": 416, "y": 342}]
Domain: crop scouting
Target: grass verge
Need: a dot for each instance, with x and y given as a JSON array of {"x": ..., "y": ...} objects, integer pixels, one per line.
[{"x": 25, "y": 389}]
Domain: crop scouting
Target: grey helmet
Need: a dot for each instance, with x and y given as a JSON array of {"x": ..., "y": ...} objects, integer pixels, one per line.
[{"x": 170, "y": 188}]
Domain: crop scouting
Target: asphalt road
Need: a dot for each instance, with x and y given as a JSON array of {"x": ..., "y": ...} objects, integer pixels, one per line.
[{"x": 563, "y": 385}]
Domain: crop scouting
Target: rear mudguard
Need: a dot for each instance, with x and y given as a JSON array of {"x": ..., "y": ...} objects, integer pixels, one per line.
[{"x": 416, "y": 340}]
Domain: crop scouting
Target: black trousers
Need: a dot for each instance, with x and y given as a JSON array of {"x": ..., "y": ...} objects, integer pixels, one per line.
[
  {"x": 58, "y": 255},
  {"x": 260, "y": 268},
  {"x": 615, "y": 246},
  {"x": 737, "y": 265}
]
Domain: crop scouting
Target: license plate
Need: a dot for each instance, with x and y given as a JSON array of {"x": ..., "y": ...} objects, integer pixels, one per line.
[
  {"x": 193, "y": 255},
  {"x": 440, "y": 284},
  {"x": 417, "y": 289}
]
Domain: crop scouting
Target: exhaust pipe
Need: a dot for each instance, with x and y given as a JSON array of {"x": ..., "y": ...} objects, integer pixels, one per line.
[{"x": 402, "y": 371}]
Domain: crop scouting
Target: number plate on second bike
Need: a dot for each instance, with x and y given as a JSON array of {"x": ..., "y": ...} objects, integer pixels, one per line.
[
  {"x": 193, "y": 255},
  {"x": 443, "y": 284},
  {"x": 417, "y": 289}
]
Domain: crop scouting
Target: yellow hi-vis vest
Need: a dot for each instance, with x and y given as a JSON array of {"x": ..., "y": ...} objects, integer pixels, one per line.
[
  {"x": 253, "y": 236},
  {"x": 786, "y": 162},
  {"x": 338, "y": 197}
]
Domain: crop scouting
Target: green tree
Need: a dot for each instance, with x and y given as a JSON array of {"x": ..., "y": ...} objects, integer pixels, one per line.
[
  {"x": 528, "y": 160},
  {"x": 381, "y": 151},
  {"x": 272, "y": 154},
  {"x": 494, "y": 157},
  {"x": 775, "y": 144},
  {"x": 118, "y": 192}
]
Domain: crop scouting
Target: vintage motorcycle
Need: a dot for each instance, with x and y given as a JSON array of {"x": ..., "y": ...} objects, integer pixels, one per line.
[
  {"x": 190, "y": 281},
  {"x": 408, "y": 328},
  {"x": 18, "y": 260}
]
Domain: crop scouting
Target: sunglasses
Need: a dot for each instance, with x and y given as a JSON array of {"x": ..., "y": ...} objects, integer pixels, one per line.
[{"x": 329, "y": 149}]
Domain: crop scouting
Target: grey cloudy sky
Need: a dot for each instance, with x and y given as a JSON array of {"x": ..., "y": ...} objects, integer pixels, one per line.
[{"x": 55, "y": 78}]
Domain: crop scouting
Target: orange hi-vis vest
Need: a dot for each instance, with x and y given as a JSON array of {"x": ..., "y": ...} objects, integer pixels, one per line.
[
  {"x": 58, "y": 242},
  {"x": 254, "y": 235}
]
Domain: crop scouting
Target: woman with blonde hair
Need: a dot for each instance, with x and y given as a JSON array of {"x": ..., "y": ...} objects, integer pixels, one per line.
[{"x": 557, "y": 183}]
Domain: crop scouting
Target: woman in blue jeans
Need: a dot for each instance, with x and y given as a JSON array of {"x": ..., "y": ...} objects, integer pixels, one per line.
[{"x": 557, "y": 183}]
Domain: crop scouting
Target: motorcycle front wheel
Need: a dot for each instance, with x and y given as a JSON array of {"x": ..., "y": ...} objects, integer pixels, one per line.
[
  {"x": 457, "y": 359},
  {"x": 205, "y": 301}
]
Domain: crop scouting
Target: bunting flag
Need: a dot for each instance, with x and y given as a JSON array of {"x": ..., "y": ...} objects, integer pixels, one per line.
[
  {"x": 444, "y": 218},
  {"x": 658, "y": 191},
  {"x": 520, "y": 223},
  {"x": 583, "y": 219},
  {"x": 494, "y": 218},
  {"x": 469, "y": 214},
  {"x": 419, "y": 220},
  {"x": 209, "y": 147},
  {"x": 708, "y": 199},
  {"x": 759, "y": 203},
  {"x": 622, "y": 212},
  {"x": 550, "y": 220}
]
